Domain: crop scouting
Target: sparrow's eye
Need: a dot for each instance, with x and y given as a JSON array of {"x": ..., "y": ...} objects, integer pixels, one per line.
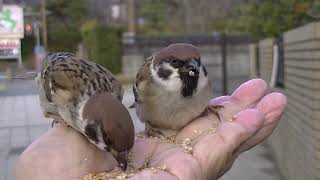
[{"x": 175, "y": 63}]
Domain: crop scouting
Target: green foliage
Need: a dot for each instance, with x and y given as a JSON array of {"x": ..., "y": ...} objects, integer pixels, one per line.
[
  {"x": 27, "y": 44},
  {"x": 64, "y": 22},
  {"x": 153, "y": 13},
  {"x": 103, "y": 44},
  {"x": 315, "y": 9},
  {"x": 64, "y": 40},
  {"x": 67, "y": 13},
  {"x": 266, "y": 18}
]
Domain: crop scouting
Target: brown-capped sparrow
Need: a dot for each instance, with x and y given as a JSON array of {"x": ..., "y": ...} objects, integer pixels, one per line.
[
  {"x": 87, "y": 97},
  {"x": 171, "y": 89}
]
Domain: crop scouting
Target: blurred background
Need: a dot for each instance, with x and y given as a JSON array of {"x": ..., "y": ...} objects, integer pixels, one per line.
[{"x": 278, "y": 41}]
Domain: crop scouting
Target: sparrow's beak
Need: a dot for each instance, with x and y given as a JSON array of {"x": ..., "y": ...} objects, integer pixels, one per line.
[
  {"x": 121, "y": 157},
  {"x": 193, "y": 68}
]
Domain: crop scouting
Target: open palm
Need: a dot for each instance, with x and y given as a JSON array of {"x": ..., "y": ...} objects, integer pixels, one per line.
[{"x": 205, "y": 149}]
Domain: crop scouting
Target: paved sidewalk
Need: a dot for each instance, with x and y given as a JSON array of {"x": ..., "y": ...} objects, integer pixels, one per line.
[{"x": 21, "y": 122}]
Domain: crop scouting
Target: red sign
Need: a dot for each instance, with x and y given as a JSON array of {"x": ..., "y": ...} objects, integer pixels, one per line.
[{"x": 9, "y": 43}]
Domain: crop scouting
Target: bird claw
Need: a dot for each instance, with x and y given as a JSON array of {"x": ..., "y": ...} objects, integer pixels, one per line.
[
  {"x": 213, "y": 109},
  {"x": 58, "y": 121},
  {"x": 153, "y": 132}
]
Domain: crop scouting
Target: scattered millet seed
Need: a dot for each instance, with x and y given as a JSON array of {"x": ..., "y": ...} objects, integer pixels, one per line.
[
  {"x": 234, "y": 118},
  {"x": 212, "y": 130},
  {"x": 186, "y": 145},
  {"x": 141, "y": 135},
  {"x": 195, "y": 131}
]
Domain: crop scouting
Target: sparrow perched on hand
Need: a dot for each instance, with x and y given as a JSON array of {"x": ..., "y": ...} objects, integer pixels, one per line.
[
  {"x": 172, "y": 88},
  {"x": 87, "y": 97}
]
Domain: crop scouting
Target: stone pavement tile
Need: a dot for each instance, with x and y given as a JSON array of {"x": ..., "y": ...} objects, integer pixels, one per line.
[
  {"x": 34, "y": 112},
  {"x": 3, "y": 166},
  {"x": 11, "y": 165},
  {"x": 19, "y": 113},
  {"x": 20, "y": 137},
  {"x": 4, "y": 138},
  {"x": 6, "y": 108},
  {"x": 37, "y": 131},
  {"x": 12, "y": 111},
  {"x": 8, "y": 123},
  {"x": 2, "y": 99}
]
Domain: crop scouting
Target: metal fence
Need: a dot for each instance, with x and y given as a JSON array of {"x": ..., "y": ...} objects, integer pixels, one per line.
[{"x": 217, "y": 51}]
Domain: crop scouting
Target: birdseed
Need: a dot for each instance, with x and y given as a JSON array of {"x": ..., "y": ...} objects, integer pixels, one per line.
[
  {"x": 170, "y": 140},
  {"x": 195, "y": 131},
  {"x": 214, "y": 127},
  {"x": 141, "y": 135},
  {"x": 120, "y": 175},
  {"x": 115, "y": 174},
  {"x": 186, "y": 145},
  {"x": 212, "y": 130},
  {"x": 156, "y": 169},
  {"x": 233, "y": 118}
]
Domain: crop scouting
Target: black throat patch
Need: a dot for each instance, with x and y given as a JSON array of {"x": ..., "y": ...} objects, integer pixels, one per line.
[{"x": 189, "y": 84}]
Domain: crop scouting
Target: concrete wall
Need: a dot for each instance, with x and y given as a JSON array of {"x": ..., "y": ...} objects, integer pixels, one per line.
[
  {"x": 295, "y": 142},
  {"x": 265, "y": 58}
]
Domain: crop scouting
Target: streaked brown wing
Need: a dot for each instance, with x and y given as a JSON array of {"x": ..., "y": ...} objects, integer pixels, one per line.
[
  {"x": 77, "y": 76},
  {"x": 142, "y": 75}
]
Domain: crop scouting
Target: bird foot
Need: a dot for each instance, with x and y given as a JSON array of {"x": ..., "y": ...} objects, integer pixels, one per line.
[
  {"x": 60, "y": 121},
  {"x": 153, "y": 132},
  {"x": 212, "y": 109},
  {"x": 165, "y": 136}
]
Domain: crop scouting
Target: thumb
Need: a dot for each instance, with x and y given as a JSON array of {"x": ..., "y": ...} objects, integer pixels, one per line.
[{"x": 215, "y": 151}]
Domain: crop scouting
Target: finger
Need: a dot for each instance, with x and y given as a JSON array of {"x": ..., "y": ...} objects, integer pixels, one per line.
[
  {"x": 154, "y": 174},
  {"x": 250, "y": 92},
  {"x": 172, "y": 159},
  {"x": 272, "y": 106},
  {"x": 245, "y": 96},
  {"x": 163, "y": 162},
  {"x": 216, "y": 149},
  {"x": 218, "y": 100},
  {"x": 244, "y": 125},
  {"x": 142, "y": 150}
]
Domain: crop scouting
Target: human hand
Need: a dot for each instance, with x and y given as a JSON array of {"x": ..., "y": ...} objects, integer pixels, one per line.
[{"x": 210, "y": 146}]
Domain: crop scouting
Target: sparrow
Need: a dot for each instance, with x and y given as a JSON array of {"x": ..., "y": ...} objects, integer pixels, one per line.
[
  {"x": 171, "y": 89},
  {"x": 87, "y": 97}
]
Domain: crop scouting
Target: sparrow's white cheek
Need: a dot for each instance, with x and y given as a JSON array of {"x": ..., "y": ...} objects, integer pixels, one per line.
[{"x": 173, "y": 83}]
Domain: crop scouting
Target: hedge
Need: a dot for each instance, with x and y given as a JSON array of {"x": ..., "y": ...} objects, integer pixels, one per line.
[
  {"x": 64, "y": 40},
  {"x": 103, "y": 44}
]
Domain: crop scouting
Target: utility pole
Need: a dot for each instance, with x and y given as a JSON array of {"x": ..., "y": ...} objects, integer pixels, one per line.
[
  {"x": 131, "y": 17},
  {"x": 43, "y": 23}
]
